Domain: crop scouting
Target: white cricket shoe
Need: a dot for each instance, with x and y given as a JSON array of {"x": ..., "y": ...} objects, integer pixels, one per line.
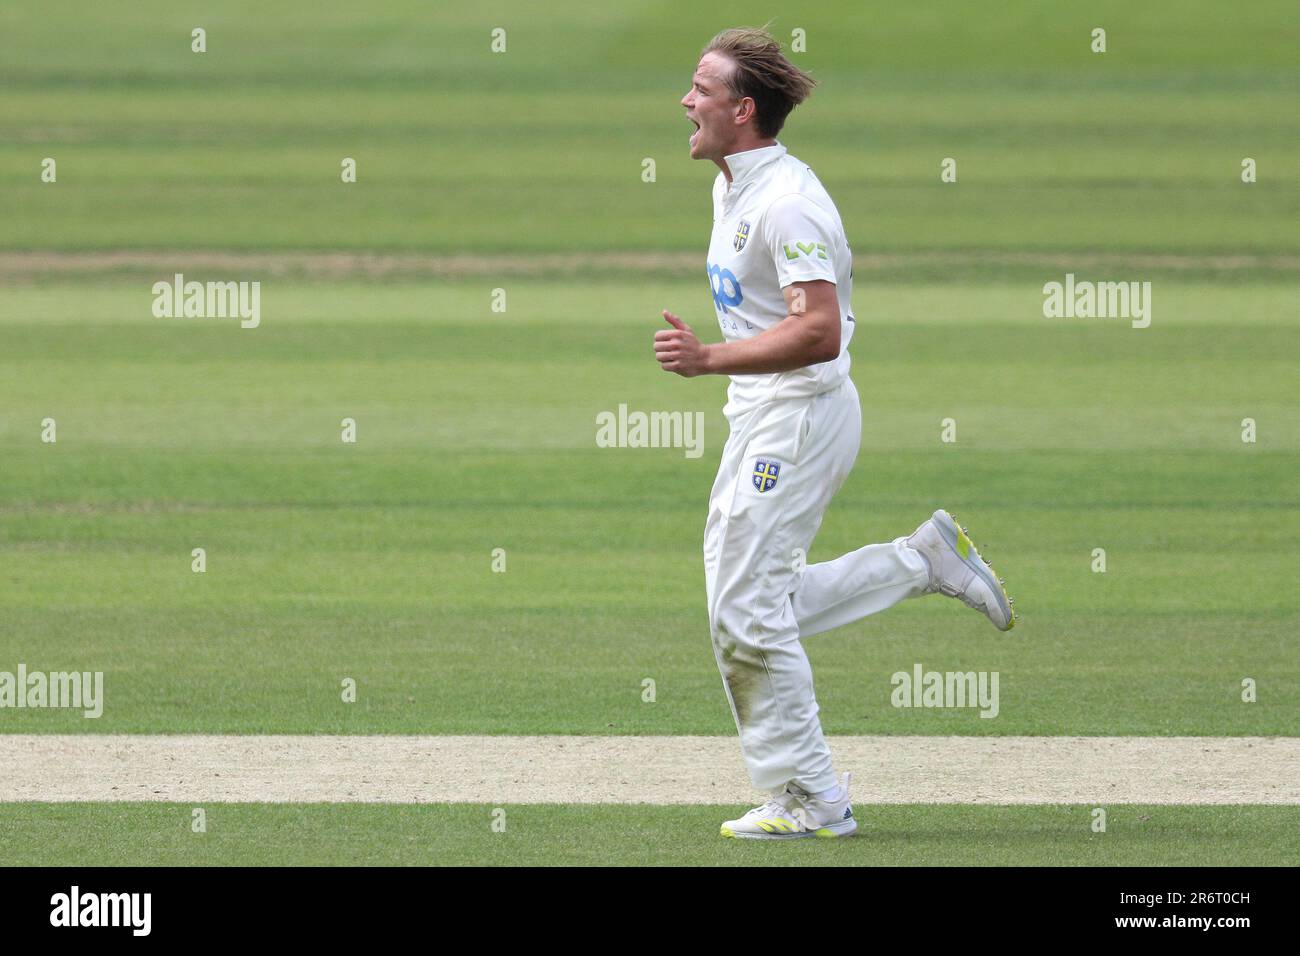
[
  {"x": 793, "y": 814},
  {"x": 957, "y": 570}
]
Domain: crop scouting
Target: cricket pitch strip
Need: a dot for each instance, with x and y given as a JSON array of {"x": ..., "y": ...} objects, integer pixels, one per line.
[{"x": 651, "y": 770}]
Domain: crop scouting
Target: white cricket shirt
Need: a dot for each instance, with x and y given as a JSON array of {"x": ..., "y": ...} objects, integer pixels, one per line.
[{"x": 773, "y": 225}]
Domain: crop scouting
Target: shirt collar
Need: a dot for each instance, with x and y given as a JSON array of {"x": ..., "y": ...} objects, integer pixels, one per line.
[{"x": 746, "y": 165}]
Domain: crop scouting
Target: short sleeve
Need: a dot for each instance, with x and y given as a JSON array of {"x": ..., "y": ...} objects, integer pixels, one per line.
[{"x": 800, "y": 235}]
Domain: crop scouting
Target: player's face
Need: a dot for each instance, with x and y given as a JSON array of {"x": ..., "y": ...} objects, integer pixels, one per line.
[{"x": 709, "y": 105}]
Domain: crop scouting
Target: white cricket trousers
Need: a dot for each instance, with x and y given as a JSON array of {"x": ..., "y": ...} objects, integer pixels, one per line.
[{"x": 761, "y": 603}]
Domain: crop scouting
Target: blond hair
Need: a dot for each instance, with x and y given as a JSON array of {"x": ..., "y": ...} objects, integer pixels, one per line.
[{"x": 762, "y": 73}]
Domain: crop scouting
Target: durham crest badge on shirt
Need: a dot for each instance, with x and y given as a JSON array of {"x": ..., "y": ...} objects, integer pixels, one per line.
[
  {"x": 765, "y": 474},
  {"x": 742, "y": 235}
]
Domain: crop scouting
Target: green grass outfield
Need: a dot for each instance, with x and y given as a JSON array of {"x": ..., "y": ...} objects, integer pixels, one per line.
[
  {"x": 98, "y": 834},
  {"x": 477, "y": 431},
  {"x": 540, "y": 148}
]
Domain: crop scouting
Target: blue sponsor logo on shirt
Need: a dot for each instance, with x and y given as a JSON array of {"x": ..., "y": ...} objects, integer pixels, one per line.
[{"x": 725, "y": 288}]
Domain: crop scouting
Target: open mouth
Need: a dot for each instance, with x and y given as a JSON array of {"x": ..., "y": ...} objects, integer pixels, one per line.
[{"x": 694, "y": 135}]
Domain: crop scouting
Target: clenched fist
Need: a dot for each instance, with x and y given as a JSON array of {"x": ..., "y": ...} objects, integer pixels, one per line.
[{"x": 679, "y": 350}]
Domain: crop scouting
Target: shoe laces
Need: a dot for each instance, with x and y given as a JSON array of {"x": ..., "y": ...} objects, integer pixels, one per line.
[{"x": 769, "y": 809}]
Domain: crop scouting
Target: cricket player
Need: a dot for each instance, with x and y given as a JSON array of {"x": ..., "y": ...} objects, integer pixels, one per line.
[{"x": 780, "y": 273}]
